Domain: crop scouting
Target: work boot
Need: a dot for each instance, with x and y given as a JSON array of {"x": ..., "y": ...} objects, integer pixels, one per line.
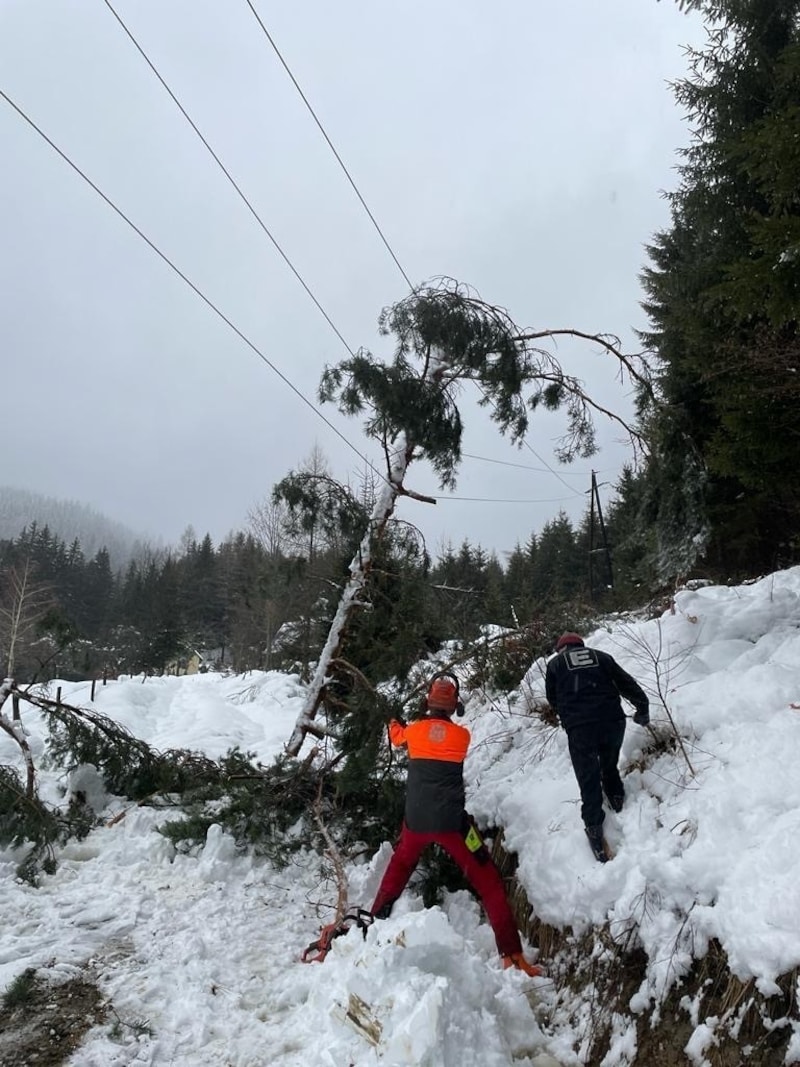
[
  {"x": 616, "y": 801},
  {"x": 517, "y": 960},
  {"x": 595, "y": 835}
]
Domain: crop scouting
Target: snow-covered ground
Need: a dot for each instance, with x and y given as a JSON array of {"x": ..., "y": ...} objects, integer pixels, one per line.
[{"x": 204, "y": 949}]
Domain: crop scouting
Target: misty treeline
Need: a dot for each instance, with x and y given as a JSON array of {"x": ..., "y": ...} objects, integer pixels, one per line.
[
  {"x": 71, "y": 520},
  {"x": 263, "y": 598}
]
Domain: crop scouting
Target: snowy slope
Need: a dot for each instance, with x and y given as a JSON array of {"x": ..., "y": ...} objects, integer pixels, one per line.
[{"x": 202, "y": 950}]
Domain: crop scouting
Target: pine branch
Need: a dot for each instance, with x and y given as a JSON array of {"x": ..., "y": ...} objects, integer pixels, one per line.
[{"x": 609, "y": 342}]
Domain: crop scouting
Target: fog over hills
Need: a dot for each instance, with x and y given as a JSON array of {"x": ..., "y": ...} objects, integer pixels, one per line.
[{"x": 68, "y": 519}]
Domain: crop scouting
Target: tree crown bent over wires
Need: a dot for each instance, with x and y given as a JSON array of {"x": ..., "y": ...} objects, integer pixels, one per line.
[{"x": 445, "y": 336}]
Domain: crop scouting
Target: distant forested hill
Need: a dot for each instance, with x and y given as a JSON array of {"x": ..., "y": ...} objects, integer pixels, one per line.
[{"x": 67, "y": 519}]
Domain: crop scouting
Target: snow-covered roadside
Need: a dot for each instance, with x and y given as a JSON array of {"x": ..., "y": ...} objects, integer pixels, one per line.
[
  {"x": 707, "y": 851},
  {"x": 199, "y": 958},
  {"x": 199, "y": 954}
]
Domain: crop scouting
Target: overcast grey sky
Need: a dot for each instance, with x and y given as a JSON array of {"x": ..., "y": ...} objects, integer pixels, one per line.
[{"x": 520, "y": 147}]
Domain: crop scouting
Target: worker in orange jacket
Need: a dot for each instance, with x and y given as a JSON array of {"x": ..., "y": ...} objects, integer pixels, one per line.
[{"x": 435, "y": 814}]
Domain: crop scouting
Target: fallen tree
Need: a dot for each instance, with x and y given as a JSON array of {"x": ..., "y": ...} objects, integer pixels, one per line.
[{"x": 446, "y": 336}]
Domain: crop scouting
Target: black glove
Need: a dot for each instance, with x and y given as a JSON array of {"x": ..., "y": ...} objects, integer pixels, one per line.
[{"x": 642, "y": 717}]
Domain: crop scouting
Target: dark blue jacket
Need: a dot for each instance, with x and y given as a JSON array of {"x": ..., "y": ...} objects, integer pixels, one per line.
[{"x": 584, "y": 685}]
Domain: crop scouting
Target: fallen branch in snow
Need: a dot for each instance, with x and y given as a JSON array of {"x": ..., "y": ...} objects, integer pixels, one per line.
[
  {"x": 661, "y": 675},
  {"x": 335, "y": 857}
]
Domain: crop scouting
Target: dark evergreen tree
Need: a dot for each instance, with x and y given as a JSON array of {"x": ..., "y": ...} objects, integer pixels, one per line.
[
  {"x": 249, "y": 587},
  {"x": 631, "y": 535},
  {"x": 96, "y": 594},
  {"x": 561, "y": 571},
  {"x": 455, "y": 592},
  {"x": 202, "y": 605},
  {"x": 496, "y": 606},
  {"x": 723, "y": 297},
  {"x": 71, "y": 585}
]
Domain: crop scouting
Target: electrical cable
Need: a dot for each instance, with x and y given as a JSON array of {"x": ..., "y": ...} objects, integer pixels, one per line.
[
  {"x": 253, "y": 211},
  {"x": 206, "y": 300},
  {"x": 230, "y": 178},
  {"x": 330, "y": 144},
  {"x": 495, "y": 500},
  {"x": 258, "y": 218},
  {"x": 209, "y": 303},
  {"x": 530, "y": 448},
  {"x": 275, "y": 244},
  {"x": 524, "y": 466},
  {"x": 549, "y": 468}
]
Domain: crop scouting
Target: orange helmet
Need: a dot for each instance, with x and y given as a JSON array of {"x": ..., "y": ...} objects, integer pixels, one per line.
[{"x": 443, "y": 694}]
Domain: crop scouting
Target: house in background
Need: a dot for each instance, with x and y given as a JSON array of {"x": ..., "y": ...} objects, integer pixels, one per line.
[
  {"x": 197, "y": 661},
  {"x": 191, "y": 663}
]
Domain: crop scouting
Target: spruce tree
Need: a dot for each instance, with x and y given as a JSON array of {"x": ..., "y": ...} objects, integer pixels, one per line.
[{"x": 723, "y": 298}]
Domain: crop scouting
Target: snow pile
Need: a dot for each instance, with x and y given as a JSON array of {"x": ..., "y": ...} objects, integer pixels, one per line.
[
  {"x": 199, "y": 954},
  {"x": 705, "y": 840}
]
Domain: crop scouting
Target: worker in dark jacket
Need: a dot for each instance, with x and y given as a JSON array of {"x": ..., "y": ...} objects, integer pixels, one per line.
[
  {"x": 584, "y": 686},
  {"x": 435, "y": 814}
]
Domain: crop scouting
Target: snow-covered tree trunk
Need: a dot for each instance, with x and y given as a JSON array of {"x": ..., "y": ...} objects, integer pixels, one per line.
[
  {"x": 399, "y": 459},
  {"x": 14, "y": 729}
]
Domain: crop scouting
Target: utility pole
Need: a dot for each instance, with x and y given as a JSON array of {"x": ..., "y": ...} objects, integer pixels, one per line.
[{"x": 604, "y": 549}]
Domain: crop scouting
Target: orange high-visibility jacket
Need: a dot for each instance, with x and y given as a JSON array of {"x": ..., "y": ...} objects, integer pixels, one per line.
[{"x": 435, "y": 786}]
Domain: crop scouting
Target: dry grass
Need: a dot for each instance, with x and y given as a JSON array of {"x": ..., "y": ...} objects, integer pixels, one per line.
[
  {"x": 46, "y": 1022},
  {"x": 605, "y": 968}
]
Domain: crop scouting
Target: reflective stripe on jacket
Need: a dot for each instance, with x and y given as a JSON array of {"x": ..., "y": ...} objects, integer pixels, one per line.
[{"x": 435, "y": 786}]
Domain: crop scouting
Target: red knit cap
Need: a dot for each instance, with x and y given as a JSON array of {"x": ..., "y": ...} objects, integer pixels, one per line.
[{"x": 569, "y": 638}]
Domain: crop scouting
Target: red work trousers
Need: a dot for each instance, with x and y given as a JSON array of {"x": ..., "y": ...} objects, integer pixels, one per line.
[{"x": 482, "y": 876}]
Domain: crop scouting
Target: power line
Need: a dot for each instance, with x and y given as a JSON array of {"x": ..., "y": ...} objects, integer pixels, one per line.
[
  {"x": 330, "y": 144},
  {"x": 206, "y": 300},
  {"x": 250, "y": 344},
  {"x": 530, "y": 448},
  {"x": 547, "y": 465},
  {"x": 341, "y": 163},
  {"x": 258, "y": 218},
  {"x": 546, "y": 468},
  {"x": 230, "y": 178},
  {"x": 275, "y": 243},
  {"x": 495, "y": 500},
  {"x": 525, "y": 466},
  {"x": 253, "y": 212}
]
